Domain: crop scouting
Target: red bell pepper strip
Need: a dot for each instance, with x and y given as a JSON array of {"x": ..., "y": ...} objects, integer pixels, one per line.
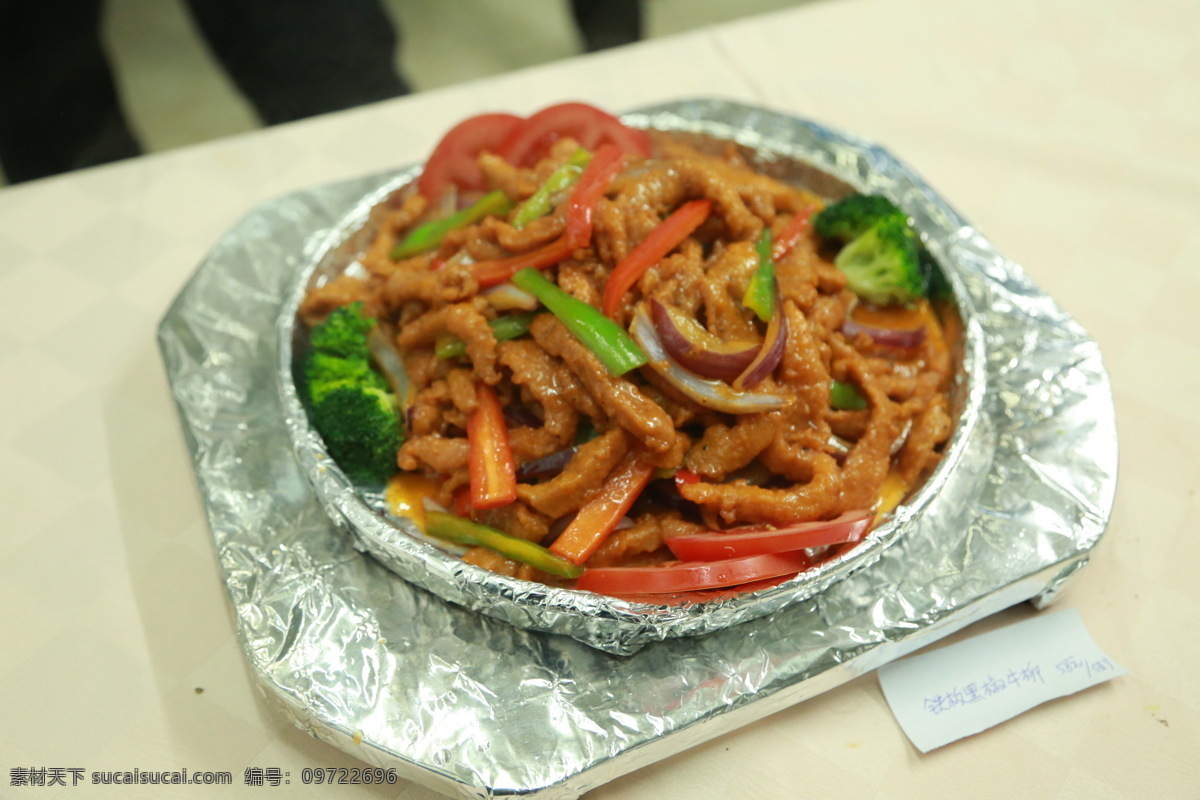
[
  {"x": 462, "y": 502},
  {"x": 599, "y": 517},
  {"x": 592, "y": 185},
  {"x": 750, "y": 541},
  {"x": 491, "y": 470},
  {"x": 796, "y": 227},
  {"x": 662, "y": 240},
  {"x": 499, "y": 270},
  {"x": 691, "y": 576}
]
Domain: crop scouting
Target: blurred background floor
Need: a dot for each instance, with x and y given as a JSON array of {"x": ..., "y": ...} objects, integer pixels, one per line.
[{"x": 175, "y": 93}]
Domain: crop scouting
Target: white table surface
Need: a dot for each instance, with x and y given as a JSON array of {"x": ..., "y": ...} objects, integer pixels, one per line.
[{"x": 1068, "y": 132}]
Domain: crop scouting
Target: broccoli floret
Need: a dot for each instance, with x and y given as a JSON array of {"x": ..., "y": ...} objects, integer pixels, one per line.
[
  {"x": 849, "y": 218},
  {"x": 361, "y": 428},
  {"x": 326, "y": 372},
  {"x": 937, "y": 287},
  {"x": 351, "y": 404},
  {"x": 881, "y": 265},
  {"x": 343, "y": 333}
]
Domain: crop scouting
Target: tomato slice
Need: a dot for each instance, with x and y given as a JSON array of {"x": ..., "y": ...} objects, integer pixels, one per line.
[
  {"x": 690, "y": 576},
  {"x": 453, "y": 161},
  {"x": 740, "y": 542},
  {"x": 588, "y": 125}
]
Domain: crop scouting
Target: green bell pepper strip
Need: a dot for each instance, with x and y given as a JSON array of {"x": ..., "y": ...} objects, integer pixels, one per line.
[
  {"x": 760, "y": 292},
  {"x": 846, "y": 397},
  {"x": 441, "y": 525},
  {"x": 503, "y": 328},
  {"x": 430, "y": 235},
  {"x": 539, "y": 203},
  {"x": 611, "y": 344},
  {"x": 585, "y": 431}
]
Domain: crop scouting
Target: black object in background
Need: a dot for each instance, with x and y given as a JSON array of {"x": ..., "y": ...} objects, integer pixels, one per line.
[
  {"x": 58, "y": 104},
  {"x": 59, "y": 107},
  {"x": 297, "y": 59}
]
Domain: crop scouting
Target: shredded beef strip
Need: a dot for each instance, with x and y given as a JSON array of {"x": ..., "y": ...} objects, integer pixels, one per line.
[
  {"x": 617, "y": 396},
  {"x": 464, "y": 320},
  {"x": 580, "y": 479},
  {"x": 552, "y": 387}
]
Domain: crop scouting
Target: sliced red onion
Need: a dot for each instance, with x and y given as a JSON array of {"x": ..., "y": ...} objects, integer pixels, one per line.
[
  {"x": 770, "y": 353},
  {"x": 521, "y": 417},
  {"x": 666, "y": 493},
  {"x": 546, "y": 465},
  {"x": 698, "y": 350},
  {"x": 902, "y": 338},
  {"x": 708, "y": 393},
  {"x": 506, "y": 297}
]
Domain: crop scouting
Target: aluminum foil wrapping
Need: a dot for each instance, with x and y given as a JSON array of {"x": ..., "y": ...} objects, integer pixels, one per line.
[{"x": 462, "y": 700}]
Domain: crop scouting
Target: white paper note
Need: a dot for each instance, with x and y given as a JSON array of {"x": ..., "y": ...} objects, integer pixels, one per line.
[{"x": 970, "y": 686}]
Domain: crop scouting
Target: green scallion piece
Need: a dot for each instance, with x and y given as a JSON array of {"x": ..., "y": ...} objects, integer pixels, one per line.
[
  {"x": 503, "y": 328},
  {"x": 430, "y": 235},
  {"x": 539, "y": 203},
  {"x": 760, "y": 292},
  {"x": 846, "y": 397},
  {"x": 441, "y": 525}
]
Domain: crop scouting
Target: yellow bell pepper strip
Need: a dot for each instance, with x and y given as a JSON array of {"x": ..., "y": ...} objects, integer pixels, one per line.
[
  {"x": 441, "y": 525},
  {"x": 611, "y": 344},
  {"x": 760, "y": 292},
  {"x": 592, "y": 185},
  {"x": 491, "y": 470},
  {"x": 406, "y": 493},
  {"x": 430, "y": 235},
  {"x": 599, "y": 516},
  {"x": 563, "y": 178},
  {"x": 510, "y": 326},
  {"x": 846, "y": 397},
  {"x": 662, "y": 240},
  {"x": 499, "y": 270}
]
